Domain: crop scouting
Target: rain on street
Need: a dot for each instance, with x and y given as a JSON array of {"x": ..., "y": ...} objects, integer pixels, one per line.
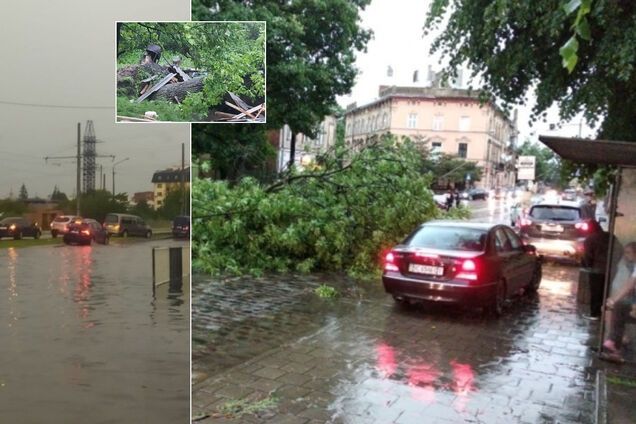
[
  {"x": 360, "y": 358},
  {"x": 83, "y": 340}
]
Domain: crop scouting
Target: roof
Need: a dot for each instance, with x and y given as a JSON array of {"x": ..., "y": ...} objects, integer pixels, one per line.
[
  {"x": 171, "y": 176},
  {"x": 585, "y": 151},
  {"x": 466, "y": 224}
]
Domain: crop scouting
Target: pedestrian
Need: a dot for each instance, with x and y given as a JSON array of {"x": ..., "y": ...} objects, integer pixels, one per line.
[
  {"x": 449, "y": 199},
  {"x": 456, "y": 197},
  {"x": 596, "y": 247},
  {"x": 588, "y": 209},
  {"x": 619, "y": 304}
]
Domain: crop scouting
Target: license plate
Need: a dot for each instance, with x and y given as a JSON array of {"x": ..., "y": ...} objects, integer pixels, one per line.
[
  {"x": 426, "y": 269},
  {"x": 552, "y": 228}
]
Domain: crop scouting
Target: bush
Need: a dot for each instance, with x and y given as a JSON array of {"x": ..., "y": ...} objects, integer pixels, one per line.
[{"x": 339, "y": 216}]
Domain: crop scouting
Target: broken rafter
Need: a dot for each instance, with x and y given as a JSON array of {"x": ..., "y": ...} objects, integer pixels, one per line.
[{"x": 156, "y": 87}]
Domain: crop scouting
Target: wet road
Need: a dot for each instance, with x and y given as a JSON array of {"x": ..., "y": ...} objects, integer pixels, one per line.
[
  {"x": 287, "y": 356},
  {"x": 83, "y": 341}
]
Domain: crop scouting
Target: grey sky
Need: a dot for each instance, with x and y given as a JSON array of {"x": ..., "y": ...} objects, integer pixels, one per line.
[
  {"x": 63, "y": 52},
  {"x": 398, "y": 42}
]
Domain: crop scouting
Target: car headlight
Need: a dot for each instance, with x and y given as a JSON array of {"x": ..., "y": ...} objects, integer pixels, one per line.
[{"x": 12, "y": 227}]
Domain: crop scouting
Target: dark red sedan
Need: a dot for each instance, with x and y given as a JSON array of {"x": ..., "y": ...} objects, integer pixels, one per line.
[{"x": 461, "y": 262}]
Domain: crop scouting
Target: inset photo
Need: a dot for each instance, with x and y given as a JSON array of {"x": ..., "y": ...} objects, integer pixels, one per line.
[{"x": 191, "y": 72}]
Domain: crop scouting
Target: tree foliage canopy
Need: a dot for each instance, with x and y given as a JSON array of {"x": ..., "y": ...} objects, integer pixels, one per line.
[
  {"x": 517, "y": 45},
  {"x": 339, "y": 216},
  {"x": 311, "y": 47}
]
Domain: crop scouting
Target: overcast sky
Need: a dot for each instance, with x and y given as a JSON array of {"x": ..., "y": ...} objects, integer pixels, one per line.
[
  {"x": 398, "y": 42},
  {"x": 62, "y": 52}
]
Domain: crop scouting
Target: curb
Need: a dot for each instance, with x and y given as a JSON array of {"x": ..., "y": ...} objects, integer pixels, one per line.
[{"x": 600, "y": 411}]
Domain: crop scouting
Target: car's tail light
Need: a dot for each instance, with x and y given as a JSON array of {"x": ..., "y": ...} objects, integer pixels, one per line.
[
  {"x": 582, "y": 226},
  {"x": 86, "y": 232},
  {"x": 390, "y": 262},
  {"x": 467, "y": 270}
]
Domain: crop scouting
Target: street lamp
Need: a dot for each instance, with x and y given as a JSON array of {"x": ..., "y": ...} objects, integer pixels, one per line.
[{"x": 114, "y": 165}]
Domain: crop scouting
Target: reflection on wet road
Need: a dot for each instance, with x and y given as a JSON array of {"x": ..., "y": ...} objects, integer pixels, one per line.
[
  {"x": 362, "y": 359},
  {"x": 83, "y": 341}
]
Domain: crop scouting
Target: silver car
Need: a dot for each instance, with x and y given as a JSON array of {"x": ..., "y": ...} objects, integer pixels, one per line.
[{"x": 60, "y": 224}]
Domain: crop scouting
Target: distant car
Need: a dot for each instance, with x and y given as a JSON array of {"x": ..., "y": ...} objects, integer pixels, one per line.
[
  {"x": 181, "y": 227},
  {"x": 85, "y": 232},
  {"x": 477, "y": 193},
  {"x": 557, "y": 229},
  {"x": 124, "y": 225},
  {"x": 461, "y": 262},
  {"x": 569, "y": 194},
  {"x": 17, "y": 227},
  {"x": 60, "y": 224}
]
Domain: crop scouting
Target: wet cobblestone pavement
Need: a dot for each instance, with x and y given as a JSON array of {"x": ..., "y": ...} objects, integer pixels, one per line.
[{"x": 286, "y": 356}]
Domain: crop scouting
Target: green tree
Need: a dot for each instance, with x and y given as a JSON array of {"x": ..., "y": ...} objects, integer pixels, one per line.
[
  {"x": 311, "y": 48},
  {"x": 58, "y": 196},
  {"x": 97, "y": 204},
  {"x": 173, "y": 204},
  {"x": 232, "y": 151},
  {"x": 9, "y": 207},
  {"x": 24, "y": 194},
  {"x": 143, "y": 210},
  {"x": 517, "y": 46}
]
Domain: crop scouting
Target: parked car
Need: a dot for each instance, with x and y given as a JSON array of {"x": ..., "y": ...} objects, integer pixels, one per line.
[
  {"x": 125, "y": 225},
  {"x": 477, "y": 193},
  {"x": 461, "y": 262},
  {"x": 17, "y": 227},
  {"x": 557, "y": 228},
  {"x": 60, "y": 224},
  {"x": 85, "y": 232},
  {"x": 181, "y": 227}
]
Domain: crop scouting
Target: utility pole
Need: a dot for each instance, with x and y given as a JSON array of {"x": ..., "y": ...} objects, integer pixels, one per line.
[
  {"x": 79, "y": 171},
  {"x": 114, "y": 165},
  {"x": 183, "y": 201}
]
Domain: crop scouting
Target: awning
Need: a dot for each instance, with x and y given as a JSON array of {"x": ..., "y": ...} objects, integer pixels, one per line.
[{"x": 603, "y": 152}]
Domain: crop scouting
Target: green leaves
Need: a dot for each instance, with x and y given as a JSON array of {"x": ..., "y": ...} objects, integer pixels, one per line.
[
  {"x": 336, "y": 217},
  {"x": 568, "y": 53}
]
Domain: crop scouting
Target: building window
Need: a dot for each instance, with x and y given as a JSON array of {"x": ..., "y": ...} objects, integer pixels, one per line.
[
  {"x": 436, "y": 147},
  {"x": 464, "y": 123},
  {"x": 159, "y": 185},
  {"x": 412, "y": 121},
  {"x": 462, "y": 150},
  {"x": 438, "y": 123},
  {"x": 385, "y": 120}
]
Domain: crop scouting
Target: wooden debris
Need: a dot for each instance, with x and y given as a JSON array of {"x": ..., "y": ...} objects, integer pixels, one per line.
[
  {"x": 156, "y": 87},
  {"x": 133, "y": 119},
  {"x": 183, "y": 75}
]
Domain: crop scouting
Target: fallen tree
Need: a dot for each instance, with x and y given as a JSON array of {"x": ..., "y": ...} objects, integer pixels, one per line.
[{"x": 179, "y": 90}]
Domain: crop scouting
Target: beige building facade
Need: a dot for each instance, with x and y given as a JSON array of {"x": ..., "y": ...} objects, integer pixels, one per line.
[
  {"x": 166, "y": 181},
  {"x": 448, "y": 120},
  {"x": 306, "y": 148}
]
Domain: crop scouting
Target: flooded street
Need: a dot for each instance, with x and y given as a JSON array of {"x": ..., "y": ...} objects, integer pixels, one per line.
[
  {"x": 287, "y": 356},
  {"x": 83, "y": 340}
]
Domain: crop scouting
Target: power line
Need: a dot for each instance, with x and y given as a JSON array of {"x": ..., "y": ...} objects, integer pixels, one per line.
[{"x": 51, "y": 106}]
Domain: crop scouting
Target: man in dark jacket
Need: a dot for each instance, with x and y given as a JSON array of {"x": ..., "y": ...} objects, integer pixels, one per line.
[{"x": 595, "y": 257}]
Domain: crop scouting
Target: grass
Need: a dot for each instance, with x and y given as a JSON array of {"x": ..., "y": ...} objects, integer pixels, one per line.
[
  {"x": 621, "y": 381},
  {"x": 238, "y": 408},
  {"x": 17, "y": 244},
  {"x": 326, "y": 291}
]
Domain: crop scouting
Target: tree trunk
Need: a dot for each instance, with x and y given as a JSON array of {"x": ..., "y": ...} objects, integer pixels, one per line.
[
  {"x": 179, "y": 89},
  {"x": 292, "y": 150}
]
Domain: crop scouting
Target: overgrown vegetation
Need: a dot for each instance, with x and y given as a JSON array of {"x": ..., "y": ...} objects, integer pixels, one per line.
[
  {"x": 227, "y": 56},
  {"x": 238, "y": 408},
  {"x": 326, "y": 291},
  {"x": 339, "y": 216}
]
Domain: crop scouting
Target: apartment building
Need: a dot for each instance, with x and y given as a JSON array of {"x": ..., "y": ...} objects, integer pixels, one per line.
[{"x": 448, "y": 120}]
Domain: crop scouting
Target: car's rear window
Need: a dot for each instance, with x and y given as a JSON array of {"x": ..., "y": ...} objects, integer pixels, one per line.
[
  {"x": 448, "y": 238},
  {"x": 181, "y": 220},
  {"x": 555, "y": 213},
  {"x": 10, "y": 220},
  {"x": 111, "y": 219}
]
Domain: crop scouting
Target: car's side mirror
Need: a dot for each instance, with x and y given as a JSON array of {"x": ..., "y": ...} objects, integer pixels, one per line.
[{"x": 528, "y": 248}]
